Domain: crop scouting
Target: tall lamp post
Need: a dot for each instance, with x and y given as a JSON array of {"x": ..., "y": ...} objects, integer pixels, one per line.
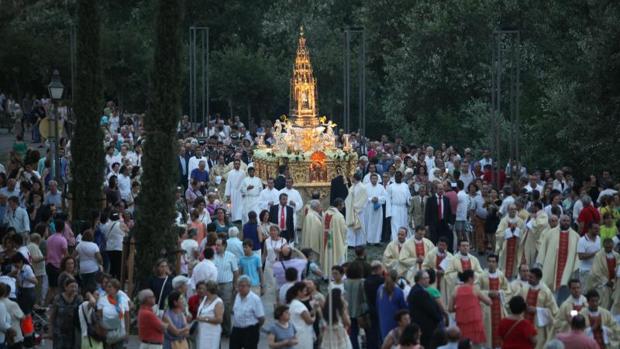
[{"x": 56, "y": 89}]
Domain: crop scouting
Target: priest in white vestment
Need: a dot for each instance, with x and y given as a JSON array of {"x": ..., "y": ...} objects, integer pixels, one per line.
[
  {"x": 233, "y": 193},
  {"x": 461, "y": 261},
  {"x": 494, "y": 284},
  {"x": 536, "y": 224},
  {"x": 572, "y": 305},
  {"x": 413, "y": 252},
  {"x": 509, "y": 242},
  {"x": 313, "y": 229},
  {"x": 391, "y": 254},
  {"x": 354, "y": 205},
  {"x": 541, "y": 307},
  {"x": 558, "y": 255},
  {"x": 603, "y": 274},
  {"x": 398, "y": 196},
  {"x": 251, "y": 187},
  {"x": 294, "y": 200},
  {"x": 600, "y": 323},
  {"x": 268, "y": 196},
  {"x": 335, "y": 229},
  {"x": 435, "y": 260},
  {"x": 373, "y": 213}
]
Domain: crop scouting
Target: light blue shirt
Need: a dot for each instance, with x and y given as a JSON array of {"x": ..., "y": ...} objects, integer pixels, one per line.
[
  {"x": 226, "y": 265},
  {"x": 18, "y": 219},
  {"x": 453, "y": 345},
  {"x": 250, "y": 266},
  {"x": 235, "y": 246}
]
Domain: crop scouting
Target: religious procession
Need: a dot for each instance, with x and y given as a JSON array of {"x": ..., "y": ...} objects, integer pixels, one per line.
[{"x": 289, "y": 232}]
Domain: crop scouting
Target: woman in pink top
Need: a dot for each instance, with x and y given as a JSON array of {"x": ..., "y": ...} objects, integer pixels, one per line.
[{"x": 466, "y": 305}]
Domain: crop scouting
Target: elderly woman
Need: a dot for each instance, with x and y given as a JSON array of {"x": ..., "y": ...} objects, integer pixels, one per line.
[
  {"x": 180, "y": 284},
  {"x": 281, "y": 333},
  {"x": 248, "y": 316},
  {"x": 113, "y": 309},
  {"x": 210, "y": 315},
  {"x": 87, "y": 313},
  {"x": 63, "y": 317},
  {"x": 177, "y": 329}
]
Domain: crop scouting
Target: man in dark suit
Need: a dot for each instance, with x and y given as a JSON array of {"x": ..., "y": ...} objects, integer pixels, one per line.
[
  {"x": 282, "y": 215},
  {"x": 423, "y": 309},
  {"x": 339, "y": 187},
  {"x": 438, "y": 216},
  {"x": 280, "y": 181},
  {"x": 182, "y": 164}
]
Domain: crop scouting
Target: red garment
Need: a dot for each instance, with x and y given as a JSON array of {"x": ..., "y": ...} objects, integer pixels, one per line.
[
  {"x": 511, "y": 249},
  {"x": 419, "y": 250},
  {"x": 577, "y": 340},
  {"x": 519, "y": 337},
  {"x": 531, "y": 300},
  {"x": 496, "y": 312},
  {"x": 562, "y": 257},
  {"x": 577, "y": 307},
  {"x": 611, "y": 268},
  {"x": 149, "y": 326},
  {"x": 192, "y": 304},
  {"x": 465, "y": 264},
  {"x": 438, "y": 260},
  {"x": 454, "y": 200},
  {"x": 598, "y": 334},
  {"x": 282, "y": 218},
  {"x": 469, "y": 314},
  {"x": 587, "y": 215}
]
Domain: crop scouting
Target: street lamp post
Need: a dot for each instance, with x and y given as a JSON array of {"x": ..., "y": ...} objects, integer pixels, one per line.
[{"x": 56, "y": 89}]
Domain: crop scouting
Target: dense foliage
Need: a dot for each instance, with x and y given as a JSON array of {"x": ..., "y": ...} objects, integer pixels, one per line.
[
  {"x": 429, "y": 64},
  {"x": 155, "y": 206},
  {"x": 88, "y": 156}
]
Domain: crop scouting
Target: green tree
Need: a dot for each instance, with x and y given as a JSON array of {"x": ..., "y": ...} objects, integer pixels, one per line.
[
  {"x": 155, "y": 206},
  {"x": 87, "y": 151}
]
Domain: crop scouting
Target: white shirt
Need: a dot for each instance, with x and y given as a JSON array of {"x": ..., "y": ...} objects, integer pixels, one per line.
[
  {"x": 283, "y": 290},
  {"x": 87, "y": 251},
  {"x": 124, "y": 185},
  {"x": 268, "y": 195},
  {"x": 247, "y": 311},
  {"x": 271, "y": 246},
  {"x": 114, "y": 235},
  {"x": 530, "y": 189},
  {"x": 577, "y": 207},
  {"x": 508, "y": 200},
  {"x": 204, "y": 271},
  {"x": 585, "y": 245},
  {"x": 463, "y": 204}
]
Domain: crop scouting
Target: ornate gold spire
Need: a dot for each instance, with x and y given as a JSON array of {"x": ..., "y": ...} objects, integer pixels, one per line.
[{"x": 303, "y": 104}]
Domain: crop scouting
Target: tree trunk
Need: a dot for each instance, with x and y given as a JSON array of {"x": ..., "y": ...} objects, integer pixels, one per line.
[
  {"x": 156, "y": 236},
  {"x": 87, "y": 149}
]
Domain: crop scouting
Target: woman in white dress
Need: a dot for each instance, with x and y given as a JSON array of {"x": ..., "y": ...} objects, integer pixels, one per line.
[
  {"x": 301, "y": 318},
  {"x": 273, "y": 245},
  {"x": 334, "y": 331},
  {"x": 210, "y": 316}
]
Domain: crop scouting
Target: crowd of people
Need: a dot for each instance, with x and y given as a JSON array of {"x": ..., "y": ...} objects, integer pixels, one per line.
[{"x": 473, "y": 255}]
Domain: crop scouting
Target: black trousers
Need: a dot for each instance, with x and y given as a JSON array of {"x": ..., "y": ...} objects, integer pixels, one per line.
[
  {"x": 115, "y": 263},
  {"x": 244, "y": 338}
]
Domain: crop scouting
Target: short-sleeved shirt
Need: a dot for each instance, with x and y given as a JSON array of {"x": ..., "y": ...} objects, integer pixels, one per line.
[
  {"x": 586, "y": 245},
  {"x": 250, "y": 266},
  {"x": 87, "y": 252},
  {"x": 247, "y": 310},
  {"x": 56, "y": 248},
  {"x": 519, "y": 336},
  {"x": 35, "y": 252},
  {"x": 280, "y": 333},
  {"x": 24, "y": 275},
  {"x": 149, "y": 326},
  {"x": 226, "y": 266}
]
